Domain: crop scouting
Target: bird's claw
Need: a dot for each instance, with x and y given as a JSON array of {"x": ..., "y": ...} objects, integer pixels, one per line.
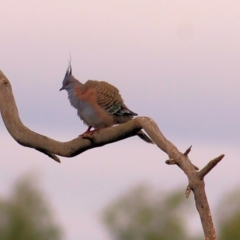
[{"x": 89, "y": 133}]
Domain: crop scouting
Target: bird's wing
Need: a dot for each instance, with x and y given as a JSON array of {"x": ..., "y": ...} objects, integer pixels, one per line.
[{"x": 109, "y": 98}]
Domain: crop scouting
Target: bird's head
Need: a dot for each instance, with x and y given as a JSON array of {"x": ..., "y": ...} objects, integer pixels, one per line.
[{"x": 69, "y": 80}]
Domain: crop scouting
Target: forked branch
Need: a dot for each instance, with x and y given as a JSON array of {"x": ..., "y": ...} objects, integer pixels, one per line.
[{"x": 53, "y": 148}]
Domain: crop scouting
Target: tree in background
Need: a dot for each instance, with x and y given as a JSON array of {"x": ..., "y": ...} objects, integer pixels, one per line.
[
  {"x": 142, "y": 214},
  {"x": 228, "y": 214},
  {"x": 26, "y": 215}
]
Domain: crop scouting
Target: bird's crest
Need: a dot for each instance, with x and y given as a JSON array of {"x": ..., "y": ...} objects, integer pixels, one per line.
[{"x": 69, "y": 69}]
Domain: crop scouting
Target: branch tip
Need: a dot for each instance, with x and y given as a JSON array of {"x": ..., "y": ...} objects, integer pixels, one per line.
[
  {"x": 188, "y": 191},
  {"x": 170, "y": 161},
  {"x": 51, "y": 155},
  {"x": 202, "y": 173},
  {"x": 196, "y": 168},
  {"x": 54, "y": 157},
  {"x": 187, "y": 151}
]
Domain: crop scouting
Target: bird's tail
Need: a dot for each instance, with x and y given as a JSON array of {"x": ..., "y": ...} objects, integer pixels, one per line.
[{"x": 144, "y": 137}]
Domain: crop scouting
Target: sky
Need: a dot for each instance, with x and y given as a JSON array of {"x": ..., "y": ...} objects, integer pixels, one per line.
[{"x": 174, "y": 61}]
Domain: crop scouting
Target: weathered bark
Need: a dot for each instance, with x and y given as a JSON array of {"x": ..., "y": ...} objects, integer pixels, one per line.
[{"x": 52, "y": 148}]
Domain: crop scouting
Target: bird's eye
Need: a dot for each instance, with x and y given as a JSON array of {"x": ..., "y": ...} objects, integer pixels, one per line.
[{"x": 67, "y": 82}]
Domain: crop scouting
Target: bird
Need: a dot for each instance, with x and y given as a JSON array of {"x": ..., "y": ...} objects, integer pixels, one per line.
[{"x": 99, "y": 104}]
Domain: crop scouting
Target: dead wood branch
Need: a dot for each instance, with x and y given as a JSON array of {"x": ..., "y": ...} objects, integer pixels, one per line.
[
  {"x": 52, "y": 148},
  {"x": 210, "y": 166}
]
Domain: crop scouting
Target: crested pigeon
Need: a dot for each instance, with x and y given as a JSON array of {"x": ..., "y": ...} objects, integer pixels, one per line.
[{"x": 98, "y": 103}]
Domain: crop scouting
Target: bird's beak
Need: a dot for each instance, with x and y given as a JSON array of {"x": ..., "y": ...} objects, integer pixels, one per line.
[{"x": 61, "y": 88}]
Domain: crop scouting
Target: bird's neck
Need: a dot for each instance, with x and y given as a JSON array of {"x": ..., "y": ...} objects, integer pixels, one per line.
[
  {"x": 76, "y": 82},
  {"x": 75, "y": 88}
]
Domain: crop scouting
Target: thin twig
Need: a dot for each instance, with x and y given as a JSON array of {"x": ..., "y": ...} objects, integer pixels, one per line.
[
  {"x": 170, "y": 162},
  {"x": 187, "y": 151},
  {"x": 202, "y": 173},
  {"x": 51, "y": 155},
  {"x": 188, "y": 191}
]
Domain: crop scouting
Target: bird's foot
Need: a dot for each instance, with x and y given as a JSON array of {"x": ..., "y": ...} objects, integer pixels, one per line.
[
  {"x": 93, "y": 131},
  {"x": 89, "y": 132},
  {"x": 86, "y": 132}
]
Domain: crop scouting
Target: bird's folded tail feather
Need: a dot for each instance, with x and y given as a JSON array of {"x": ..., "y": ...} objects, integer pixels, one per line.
[{"x": 144, "y": 137}]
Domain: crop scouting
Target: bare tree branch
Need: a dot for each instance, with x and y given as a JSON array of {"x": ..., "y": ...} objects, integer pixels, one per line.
[{"x": 50, "y": 147}]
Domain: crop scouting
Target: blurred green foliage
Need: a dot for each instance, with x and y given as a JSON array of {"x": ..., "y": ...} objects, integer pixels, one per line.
[
  {"x": 142, "y": 214},
  {"x": 228, "y": 216},
  {"x": 26, "y": 215}
]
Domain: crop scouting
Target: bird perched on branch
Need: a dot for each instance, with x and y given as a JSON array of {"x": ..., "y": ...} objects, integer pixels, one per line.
[{"x": 98, "y": 103}]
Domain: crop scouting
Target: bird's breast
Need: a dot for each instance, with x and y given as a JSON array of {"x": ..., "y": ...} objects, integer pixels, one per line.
[
  {"x": 75, "y": 102},
  {"x": 92, "y": 114}
]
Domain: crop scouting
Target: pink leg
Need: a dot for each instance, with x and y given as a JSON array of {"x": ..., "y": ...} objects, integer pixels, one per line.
[
  {"x": 93, "y": 131},
  {"x": 88, "y": 131}
]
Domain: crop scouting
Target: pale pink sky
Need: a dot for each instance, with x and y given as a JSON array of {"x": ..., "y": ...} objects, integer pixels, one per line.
[{"x": 175, "y": 61}]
